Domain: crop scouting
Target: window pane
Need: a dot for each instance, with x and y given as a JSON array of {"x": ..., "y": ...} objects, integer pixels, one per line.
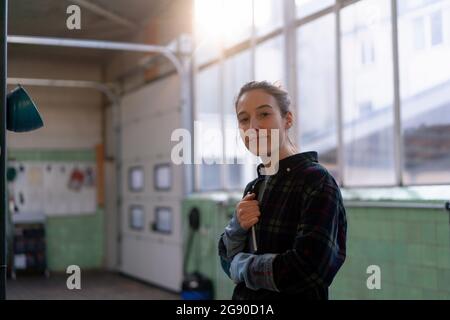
[
  {"x": 269, "y": 60},
  {"x": 237, "y": 21},
  {"x": 235, "y": 176},
  {"x": 424, "y": 88},
  {"x": 208, "y": 144},
  {"x": 207, "y": 50},
  {"x": 436, "y": 28},
  {"x": 409, "y": 6},
  {"x": 268, "y": 15},
  {"x": 209, "y": 177},
  {"x": 316, "y": 51},
  {"x": 208, "y": 27},
  {"x": 367, "y": 91},
  {"x": 237, "y": 72},
  {"x": 419, "y": 33},
  {"x": 308, "y": 7},
  {"x": 220, "y": 22}
]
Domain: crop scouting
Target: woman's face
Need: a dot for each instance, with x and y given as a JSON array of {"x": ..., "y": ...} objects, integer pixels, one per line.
[{"x": 258, "y": 110}]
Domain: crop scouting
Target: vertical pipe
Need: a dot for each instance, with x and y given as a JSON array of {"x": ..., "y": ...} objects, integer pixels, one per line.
[
  {"x": 3, "y": 212},
  {"x": 117, "y": 122},
  {"x": 340, "y": 125},
  {"x": 398, "y": 137},
  {"x": 187, "y": 114},
  {"x": 252, "y": 166},
  {"x": 290, "y": 66},
  {"x": 253, "y": 44},
  {"x": 224, "y": 185}
]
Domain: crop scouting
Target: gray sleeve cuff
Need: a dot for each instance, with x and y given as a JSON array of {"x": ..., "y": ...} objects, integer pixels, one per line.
[{"x": 255, "y": 270}]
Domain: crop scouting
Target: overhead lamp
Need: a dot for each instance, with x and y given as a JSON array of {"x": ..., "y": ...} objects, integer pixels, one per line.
[{"x": 22, "y": 114}]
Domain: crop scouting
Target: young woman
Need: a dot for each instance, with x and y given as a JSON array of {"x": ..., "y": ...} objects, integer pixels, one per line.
[{"x": 287, "y": 238}]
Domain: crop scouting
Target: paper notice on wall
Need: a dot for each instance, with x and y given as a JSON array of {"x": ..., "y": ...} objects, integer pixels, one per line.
[
  {"x": 46, "y": 188},
  {"x": 34, "y": 174}
]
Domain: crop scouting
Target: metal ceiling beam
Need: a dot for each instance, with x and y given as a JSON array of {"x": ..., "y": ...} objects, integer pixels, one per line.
[
  {"x": 107, "y": 90},
  {"x": 99, "y": 44}
]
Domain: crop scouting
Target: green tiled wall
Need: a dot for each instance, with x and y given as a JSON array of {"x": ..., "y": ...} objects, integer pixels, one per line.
[
  {"x": 71, "y": 239},
  {"x": 75, "y": 240},
  {"x": 52, "y": 155},
  {"x": 411, "y": 247}
]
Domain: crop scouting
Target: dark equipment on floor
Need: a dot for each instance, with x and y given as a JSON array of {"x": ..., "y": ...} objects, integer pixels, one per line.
[{"x": 195, "y": 285}]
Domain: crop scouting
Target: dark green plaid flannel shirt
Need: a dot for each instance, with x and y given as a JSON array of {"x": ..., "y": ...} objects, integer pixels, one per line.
[{"x": 301, "y": 235}]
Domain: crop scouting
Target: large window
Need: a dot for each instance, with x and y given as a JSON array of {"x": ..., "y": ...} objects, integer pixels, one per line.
[
  {"x": 424, "y": 89},
  {"x": 345, "y": 85},
  {"x": 317, "y": 112},
  {"x": 367, "y": 93}
]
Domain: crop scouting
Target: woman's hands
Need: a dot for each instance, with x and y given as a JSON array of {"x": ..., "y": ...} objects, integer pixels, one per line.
[{"x": 247, "y": 211}]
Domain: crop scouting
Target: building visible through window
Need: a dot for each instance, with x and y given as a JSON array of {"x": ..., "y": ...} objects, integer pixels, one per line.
[
  {"x": 419, "y": 33},
  {"x": 367, "y": 52},
  {"x": 436, "y": 28}
]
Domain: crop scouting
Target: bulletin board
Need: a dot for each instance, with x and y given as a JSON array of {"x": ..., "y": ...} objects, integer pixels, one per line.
[{"x": 53, "y": 188}]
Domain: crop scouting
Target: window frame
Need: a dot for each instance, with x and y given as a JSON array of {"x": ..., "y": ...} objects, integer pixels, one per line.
[{"x": 291, "y": 22}]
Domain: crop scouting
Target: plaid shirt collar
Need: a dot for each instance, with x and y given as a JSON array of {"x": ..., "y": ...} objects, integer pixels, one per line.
[{"x": 290, "y": 163}]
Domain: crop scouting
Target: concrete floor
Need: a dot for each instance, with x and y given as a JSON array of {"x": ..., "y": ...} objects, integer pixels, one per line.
[{"x": 95, "y": 285}]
